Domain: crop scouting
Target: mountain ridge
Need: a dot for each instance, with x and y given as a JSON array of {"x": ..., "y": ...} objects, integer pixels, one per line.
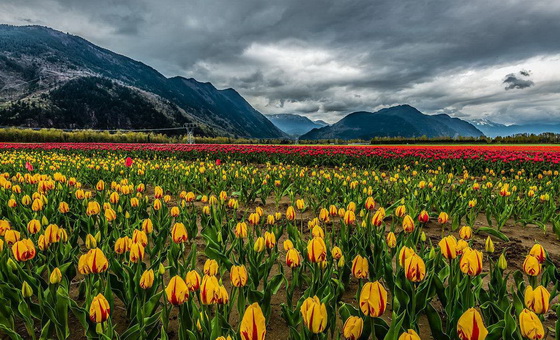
[
  {"x": 397, "y": 121},
  {"x": 36, "y": 60},
  {"x": 293, "y": 124}
]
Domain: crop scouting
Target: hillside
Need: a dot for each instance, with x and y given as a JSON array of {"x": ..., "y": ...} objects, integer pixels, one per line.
[
  {"x": 398, "y": 121},
  {"x": 52, "y": 79}
]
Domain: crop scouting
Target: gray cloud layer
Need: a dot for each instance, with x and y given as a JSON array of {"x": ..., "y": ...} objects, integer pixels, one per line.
[{"x": 328, "y": 58}]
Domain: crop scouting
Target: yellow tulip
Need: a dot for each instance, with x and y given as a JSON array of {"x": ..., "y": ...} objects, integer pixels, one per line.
[
  {"x": 409, "y": 335},
  {"x": 408, "y": 224},
  {"x": 316, "y": 250},
  {"x": 99, "y": 309},
  {"x": 179, "y": 233},
  {"x": 56, "y": 276},
  {"x": 23, "y": 250},
  {"x": 211, "y": 267},
  {"x": 238, "y": 276},
  {"x": 448, "y": 247},
  {"x": 465, "y": 233},
  {"x": 489, "y": 245},
  {"x": 177, "y": 291},
  {"x": 253, "y": 324},
  {"x": 404, "y": 254},
  {"x": 314, "y": 314},
  {"x": 259, "y": 245},
  {"x": 531, "y": 266},
  {"x": 360, "y": 267},
  {"x": 209, "y": 290},
  {"x": 241, "y": 230},
  {"x": 471, "y": 262},
  {"x": 353, "y": 327},
  {"x": 530, "y": 325},
  {"x": 538, "y": 251},
  {"x": 293, "y": 258},
  {"x": 537, "y": 300},
  {"x": 269, "y": 240},
  {"x": 147, "y": 279},
  {"x": 470, "y": 326},
  {"x": 193, "y": 280},
  {"x": 136, "y": 253},
  {"x": 443, "y": 218},
  {"x": 415, "y": 268},
  {"x": 373, "y": 299}
]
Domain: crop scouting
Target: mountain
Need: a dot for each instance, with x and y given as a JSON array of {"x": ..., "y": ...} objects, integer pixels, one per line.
[
  {"x": 52, "y": 79},
  {"x": 397, "y": 121},
  {"x": 321, "y": 122},
  {"x": 293, "y": 124},
  {"x": 493, "y": 129}
]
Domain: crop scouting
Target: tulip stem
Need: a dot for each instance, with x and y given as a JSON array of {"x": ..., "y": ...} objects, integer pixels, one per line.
[{"x": 372, "y": 323}]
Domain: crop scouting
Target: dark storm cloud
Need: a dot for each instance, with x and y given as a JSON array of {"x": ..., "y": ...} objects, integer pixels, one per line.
[
  {"x": 514, "y": 81},
  {"x": 338, "y": 56}
]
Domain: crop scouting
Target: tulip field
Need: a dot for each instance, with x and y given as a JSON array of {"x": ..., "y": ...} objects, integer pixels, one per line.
[{"x": 253, "y": 242}]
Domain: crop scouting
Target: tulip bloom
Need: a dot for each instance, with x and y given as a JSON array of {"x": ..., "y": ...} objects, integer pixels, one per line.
[
  {"x": 423, "y": 217},
  {"x": 316, "y": 250},
  {"x": 209, "y": 290},
  {"x": 136, "y": 252},
  {"x": 241, "y": 230},
  {"x": 373, "y": 299},
  {"x": 360, "y": 268},
  {"x": 290, "y": 213},
  {"x": 443, "y": 218},
  {"x": 471, "y": 262},
  {"x": 293, "y": 258},
  {"x": 138, "y": 236},
  {"x": 96, "y": 261},
  {"x": 287, "y": 245},
  {"x": 177, "y": 291},
  {"x": 409, "y": 335},
  {"x": 531, "y": 266},
  {"x": 253, "y": 324},
  {"x": 314, "y": 314},
  {"x": 530, "y": 325},
  {"x": 448, "y": 247},
  {"x": 538, "y": 251},
  {"x": 56, "y": 276},
  {"x": 405, "y": 253},
  {"x": 123, "y": 245},
  {"x": 34, "y": 226},
  {"x": 349, "y": 218},
  {"x": 470, "y": 326},
  {"x": 465, "y": 233},
  {"x": 23, "y": 250},
  {"x": 269, "y": 240},
  {"x": 336, "y": 253},
  {"x": 99, "y": 309},
  {"x": 414, "y": 268},
  {"x": 147, "y": 279},
  {"x": 353, "y": 327},
  {"x": 400, "y": 211},
  {"x": 193, "y": 280},
  {"x": 489, "y": 245},
  {"x": 378, "y": 217},
  {"x": 11, "y": 236},
  {"x": 210, "y": 267},
  {"x": 391, "y": 240},
  {"x": 408, "y": 224},
  {"x": 179, "y": 233},
  {"x": 238, "y": 276},
  {"x": 63, "y": 207},
  {"x": 254, "y": 218},
  {"x": 93, "y": 208},
  {"x": 259, "y": 245},
  {"x": 537, "y": 300}
]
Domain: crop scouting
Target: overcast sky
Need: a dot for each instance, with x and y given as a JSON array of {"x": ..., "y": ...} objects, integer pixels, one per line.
[{"x": 324, "y": 59}]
